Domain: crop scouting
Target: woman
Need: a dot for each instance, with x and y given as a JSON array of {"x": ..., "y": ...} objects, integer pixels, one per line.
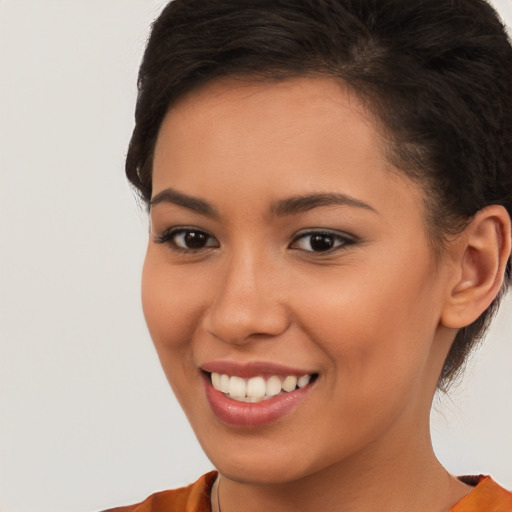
[{"x": 329, "y": 185}]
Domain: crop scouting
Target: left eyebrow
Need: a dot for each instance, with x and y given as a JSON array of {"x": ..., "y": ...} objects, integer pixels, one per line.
[
  {"x": 304, "y": 203},
  {"x": 195, "y": 204}
]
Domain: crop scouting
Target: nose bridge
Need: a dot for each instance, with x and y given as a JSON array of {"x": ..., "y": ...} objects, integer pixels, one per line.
[{"x": 246, "y": 301}]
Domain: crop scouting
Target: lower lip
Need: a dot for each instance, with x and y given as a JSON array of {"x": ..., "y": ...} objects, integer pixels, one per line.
[{"x": 243, "y": 414}]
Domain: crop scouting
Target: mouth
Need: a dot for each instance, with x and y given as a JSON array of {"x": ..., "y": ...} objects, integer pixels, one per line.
[
  {"x": 254, "y": 395},
  {"x": 260, "y": 388}
]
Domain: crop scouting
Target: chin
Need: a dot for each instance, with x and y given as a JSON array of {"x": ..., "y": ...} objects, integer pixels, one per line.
[{"x": 263, "y": 470}]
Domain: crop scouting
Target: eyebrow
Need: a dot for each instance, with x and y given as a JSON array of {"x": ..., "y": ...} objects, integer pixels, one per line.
[
  {"x": 304, "y": 203},
  {"x": 195, "y": 204},
  {"x": 283, "y": 207}
]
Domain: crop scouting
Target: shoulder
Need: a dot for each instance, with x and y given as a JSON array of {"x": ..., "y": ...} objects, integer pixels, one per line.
[
  {"x": 193, "y": 498},
  {"x": 487, "y": 496}
]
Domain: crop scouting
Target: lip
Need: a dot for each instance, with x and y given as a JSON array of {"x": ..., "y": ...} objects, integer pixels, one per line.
[
  {"x": 252, "y": 369},
  {"x": 251, "y": 415}
]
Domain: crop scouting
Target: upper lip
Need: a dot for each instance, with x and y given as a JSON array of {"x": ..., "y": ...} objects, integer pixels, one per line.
[{"x": 252, "y": 369}]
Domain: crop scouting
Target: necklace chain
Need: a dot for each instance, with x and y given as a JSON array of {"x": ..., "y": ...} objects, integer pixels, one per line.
[{"x": 218, "y": 494}]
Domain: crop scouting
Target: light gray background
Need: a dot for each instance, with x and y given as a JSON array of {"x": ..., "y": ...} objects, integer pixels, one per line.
[{"x": 87, "y": 419}]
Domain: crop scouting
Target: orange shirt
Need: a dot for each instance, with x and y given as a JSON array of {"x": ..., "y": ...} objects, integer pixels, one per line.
[
  {"x": 487, "y": 496},
  {"x": 193, "y": 498}
]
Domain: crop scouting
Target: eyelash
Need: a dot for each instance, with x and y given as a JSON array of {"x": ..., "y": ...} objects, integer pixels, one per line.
[
  {"x": 169, "y": 235},
  {"x": 340, "y": 240}
]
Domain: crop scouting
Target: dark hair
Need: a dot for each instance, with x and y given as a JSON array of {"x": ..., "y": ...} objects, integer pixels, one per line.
[{"x": 437, "y": 75}]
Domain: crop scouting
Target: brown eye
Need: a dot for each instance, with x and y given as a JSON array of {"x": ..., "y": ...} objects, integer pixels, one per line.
[
  {"x": 320, "y": 242},
  {"x": 187, "y": 239},
  {"x": 191, "y": 240}
]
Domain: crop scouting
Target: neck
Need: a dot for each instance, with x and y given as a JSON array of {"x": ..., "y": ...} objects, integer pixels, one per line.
[
  {"x": 370, "y": 481},
  {"x": 397, "y": 472}
]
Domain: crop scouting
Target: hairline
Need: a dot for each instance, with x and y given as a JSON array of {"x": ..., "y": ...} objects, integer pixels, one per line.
[{"x": 438, "y": 236}]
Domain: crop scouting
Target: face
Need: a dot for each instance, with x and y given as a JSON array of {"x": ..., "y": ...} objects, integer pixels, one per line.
[{"x": 287, "y": 259}]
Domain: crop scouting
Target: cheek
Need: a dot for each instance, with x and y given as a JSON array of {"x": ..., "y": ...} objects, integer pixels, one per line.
[
  {"x": 172, "y": 306},
  {"x": 376, "y": 328},
  {"x": 376, "y": 346},
  {"x": 170, "y": 301}
]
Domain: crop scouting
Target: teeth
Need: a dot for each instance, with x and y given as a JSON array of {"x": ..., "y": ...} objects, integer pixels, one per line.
[
  {"x": 289, "y": 384},
  {"x": 223, "y": 384},
  {"x": 237, "y": 388},
  {"x": 273, "y": 386},
  {"x": 216, "y": 380},
  {"x": 303, "y": 381},
  {"x": 256, "y": 389}
]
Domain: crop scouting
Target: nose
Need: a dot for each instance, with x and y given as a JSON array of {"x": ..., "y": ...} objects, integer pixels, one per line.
[{"x": 246, "y": 304}]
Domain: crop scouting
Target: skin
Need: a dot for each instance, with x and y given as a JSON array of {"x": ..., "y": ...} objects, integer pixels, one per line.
[{"x": 366, "y": 316}]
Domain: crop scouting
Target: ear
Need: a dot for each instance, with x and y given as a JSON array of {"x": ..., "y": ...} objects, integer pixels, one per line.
[{"x": 480, "y": 256}]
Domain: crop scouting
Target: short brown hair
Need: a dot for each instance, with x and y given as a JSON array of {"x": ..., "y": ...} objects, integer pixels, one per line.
[{"x": 437, "y": 74}]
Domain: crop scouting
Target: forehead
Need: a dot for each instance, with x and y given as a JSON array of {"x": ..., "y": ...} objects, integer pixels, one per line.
[
  {"x": 303, "y": 96},
  {"x": 274, "y": 139}
]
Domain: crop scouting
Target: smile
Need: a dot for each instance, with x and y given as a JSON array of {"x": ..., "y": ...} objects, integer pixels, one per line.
[
  {"x": 257, "y": 389},
  {"x": 255, "y": 394}
]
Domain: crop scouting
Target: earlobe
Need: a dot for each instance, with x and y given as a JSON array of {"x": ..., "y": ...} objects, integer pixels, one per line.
[{"x": 482, "y": 253}]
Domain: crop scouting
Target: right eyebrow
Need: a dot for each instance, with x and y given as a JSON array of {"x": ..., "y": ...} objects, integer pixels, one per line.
[
  {"x": 195, "y": 204},
  {"x": 304, "y": 203}
]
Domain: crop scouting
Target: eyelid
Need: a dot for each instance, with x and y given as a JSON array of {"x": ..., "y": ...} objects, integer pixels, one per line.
[
  {"x": 344, "y": 237},
  {"x": 167, "y": 235}
]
